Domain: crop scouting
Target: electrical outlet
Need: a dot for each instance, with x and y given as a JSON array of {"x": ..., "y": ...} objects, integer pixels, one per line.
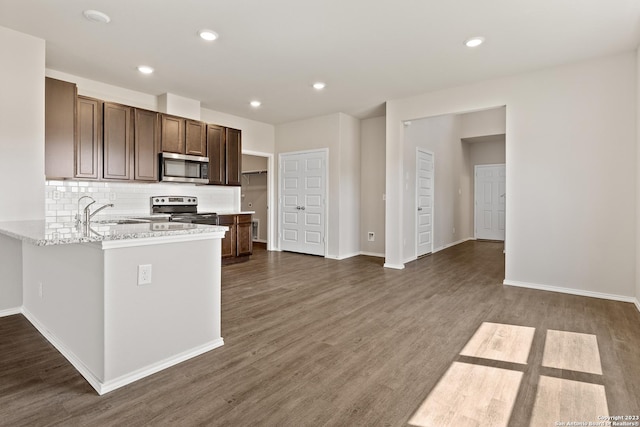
[
  {"x": 144, "y": 274},
  {"x": 112, "y": 196},
  {"x": 371, "y": 236},
  {"x": 56, "y": 195},
  {"x": 40, "y": 289}
]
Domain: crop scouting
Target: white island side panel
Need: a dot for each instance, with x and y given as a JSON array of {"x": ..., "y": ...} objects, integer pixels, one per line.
[
  {"x": 63, "y": 298},
  {"x": 150, "y": 327}
]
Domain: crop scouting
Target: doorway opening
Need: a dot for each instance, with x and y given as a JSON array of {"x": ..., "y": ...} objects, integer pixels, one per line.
[
  {"x": 460, "y": 142},
  {"x": 256, "y": 195}
]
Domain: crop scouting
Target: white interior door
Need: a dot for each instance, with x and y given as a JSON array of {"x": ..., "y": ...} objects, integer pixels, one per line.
[
  {"x": 490, "y": 198},
  {"x": 302, "y": 202},
  {"x": 424, "y": 201}
]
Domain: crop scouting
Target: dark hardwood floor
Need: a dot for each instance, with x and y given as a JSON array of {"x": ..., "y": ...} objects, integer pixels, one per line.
[{"x": 311, "y": 342}]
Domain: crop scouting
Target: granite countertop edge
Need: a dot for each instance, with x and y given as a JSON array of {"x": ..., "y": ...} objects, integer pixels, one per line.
[{"x": 37, "y": 232}]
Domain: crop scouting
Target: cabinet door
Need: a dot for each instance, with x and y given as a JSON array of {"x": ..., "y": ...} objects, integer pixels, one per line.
[
  {"x": 116, "y": 140},
  {"x": 172, "y": 134},
  {"x": 145, "y": 141},
  {"x": 196, "y": 138},
  {"x": 88, "y": 137},
  {"x": 59, "y": 128},
  {"x": 216, "y": 145},
  {"x": 244, "y": 242},
  {"x": 228, "y": 247},
  {"x": 234, "y": 157}
]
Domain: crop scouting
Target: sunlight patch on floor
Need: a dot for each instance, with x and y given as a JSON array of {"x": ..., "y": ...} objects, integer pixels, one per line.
[
  {"x": 470, "y": 394},
  {"x": 572, "y": 351},
  {"x": 495, "y": 341},
  {"x": 561, "y": 400}
]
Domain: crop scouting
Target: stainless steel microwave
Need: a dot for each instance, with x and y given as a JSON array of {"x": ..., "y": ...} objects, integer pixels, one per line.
[{"x": 184, "y": 168}]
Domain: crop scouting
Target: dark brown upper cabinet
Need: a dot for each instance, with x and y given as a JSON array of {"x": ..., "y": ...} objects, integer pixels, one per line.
[
  {"x": 146, "y": 141},
  {"x": 172, "y": 134},
  {"x": 195, "y": 138},
  {"x": 217, "y": 154},
  {"x": 59, "y": 128},
  {"x": 225, "y": 155},
  {"x": 117, "y": 141},
  {"x": 183, "y": 136},
  {"x": 233, "y": 157},
  {"x": 88, "y": 142}
]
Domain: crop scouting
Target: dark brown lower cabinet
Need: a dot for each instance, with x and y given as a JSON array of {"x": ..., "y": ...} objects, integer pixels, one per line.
[
  {"x": 243, "y": 232},
  {"x": 237, "y": 244}
]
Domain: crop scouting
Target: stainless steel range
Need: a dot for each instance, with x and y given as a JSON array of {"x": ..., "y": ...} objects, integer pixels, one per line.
[{"x": 182, "y": 209}]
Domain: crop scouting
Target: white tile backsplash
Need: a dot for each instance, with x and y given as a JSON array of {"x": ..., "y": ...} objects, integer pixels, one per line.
[{"x": 131, "y": 198}]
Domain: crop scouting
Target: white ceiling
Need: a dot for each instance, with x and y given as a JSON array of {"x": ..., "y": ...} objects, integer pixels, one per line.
[{"x": 367, "y": 51}]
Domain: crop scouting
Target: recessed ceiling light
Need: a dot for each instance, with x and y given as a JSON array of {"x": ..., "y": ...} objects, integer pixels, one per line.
[
  {"x": 208, "y": 35},
  {"x": 96, "y": 16},
  {"x": 474, "y": 41},
  {"x": 255, "y": 104},
  {"x": 145, "y": 69},
  {"x": 319, "y": 85}
]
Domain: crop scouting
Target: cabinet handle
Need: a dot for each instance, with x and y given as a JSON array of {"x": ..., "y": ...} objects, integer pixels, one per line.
[
  {"x": 419, "y": 209},
  {"x": 302, "y": 207}
]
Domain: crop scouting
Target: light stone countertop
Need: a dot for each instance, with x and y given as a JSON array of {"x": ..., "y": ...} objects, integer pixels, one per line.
[{"x": 43, "y": 233}]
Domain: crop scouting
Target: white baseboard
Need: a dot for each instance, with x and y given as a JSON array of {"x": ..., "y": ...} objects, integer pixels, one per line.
[
  {"x": 637, "y": 303},
  {"x": 260, "y": 240},
  {"x": 394, "y": 266},
  {"x": 93, "y": 380},
  {"x": 375, "y": 254},
  {"x": 10, "y": 311},
  {"x": 441, "y": 248},
  {"x": 158, "y": 366},
  {"x": 572, "y": 291},
  {"x": 105, "y": 387},
  {"x": 351, "y": 255}
]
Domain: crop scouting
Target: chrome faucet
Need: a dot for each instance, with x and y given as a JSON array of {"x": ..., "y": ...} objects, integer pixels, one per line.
[
  {"x": 88, "y": 214},
  {"x": 78, "y": 217}
]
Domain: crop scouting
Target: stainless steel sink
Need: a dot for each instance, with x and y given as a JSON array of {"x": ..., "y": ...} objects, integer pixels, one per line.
[{"x": 122, "y": 221}]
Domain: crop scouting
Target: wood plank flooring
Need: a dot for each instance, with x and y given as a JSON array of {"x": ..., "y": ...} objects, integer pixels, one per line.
[{"x": 317, "y": 342}]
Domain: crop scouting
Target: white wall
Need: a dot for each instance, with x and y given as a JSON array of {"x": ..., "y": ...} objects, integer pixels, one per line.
[
  {"x": 372, "y": 164},
  {"x": 21, "y": 149},
  {"x": 11, "y": 275},
  {"x": 486, "y": 122},
  {"x": 79, "y": 277},
  {"x": 571, "y": 168},
  {"x": 21, "y": 126},
  {"x": 340, "y": 134},
  {"x": 638, "y": 178},
  {"x": 487, "y": 153},
  {"x": 441, "y": 136},
  {"x": 349, "y": 157},
  {"x": 313, "y": 134},
  {"x": 256, "y": 136}
]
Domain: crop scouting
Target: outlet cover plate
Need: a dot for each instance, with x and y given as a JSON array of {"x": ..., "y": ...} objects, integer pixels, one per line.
[{"x": 144, "y": 274}]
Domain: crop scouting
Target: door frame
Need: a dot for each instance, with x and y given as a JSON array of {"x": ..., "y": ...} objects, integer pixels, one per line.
[
  {"x": 325, "y": 153},
  {"x": 475, "y": 200},
  {"x": 433, "y": 199},
  {"x": 271, "y": 220}
]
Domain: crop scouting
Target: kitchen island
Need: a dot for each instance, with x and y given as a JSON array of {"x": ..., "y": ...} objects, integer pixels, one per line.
[{"x": 86, "y": 291}]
